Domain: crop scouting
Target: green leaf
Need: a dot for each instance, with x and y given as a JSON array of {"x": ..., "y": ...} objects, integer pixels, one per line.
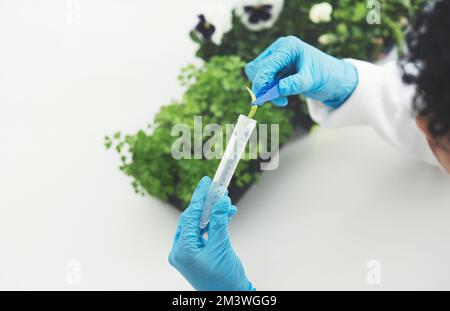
[{"x": 107, "y": 142}]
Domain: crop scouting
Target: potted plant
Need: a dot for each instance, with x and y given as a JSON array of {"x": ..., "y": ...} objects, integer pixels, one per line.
[{"x": 215, "y": 90}]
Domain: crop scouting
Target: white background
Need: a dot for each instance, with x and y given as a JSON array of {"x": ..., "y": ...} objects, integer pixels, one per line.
[{"x": 338, "y": 199}]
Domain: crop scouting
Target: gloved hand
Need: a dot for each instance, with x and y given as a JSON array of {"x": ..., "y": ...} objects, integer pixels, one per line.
[
  {"x": 308, "y": 71},
  {"x": 208, "y": 264}
]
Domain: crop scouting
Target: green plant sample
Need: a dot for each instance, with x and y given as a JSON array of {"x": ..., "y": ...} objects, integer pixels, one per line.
[{"x": 216, "y": 92}]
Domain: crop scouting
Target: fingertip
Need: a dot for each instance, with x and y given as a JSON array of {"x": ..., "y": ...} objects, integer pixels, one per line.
[
  {"x": 221, "y": 207},
  {"x": 283, "y": 86},
  {"x": 201, "y": 190},
  {"x": 294, "y": 85},
  {"x": 287, "y": 87},
  {"x": 250, "y": 71},
  {"x": 220, "y": 218},
  {"x": 170, "y": 258},
  {"x": 205, "y": 179},
  {"x": 233, "y": 210},
  {"x": 203, "y": 184},
  {"x": 224, "y": 201},
  {"x": 280, "y": 102}
]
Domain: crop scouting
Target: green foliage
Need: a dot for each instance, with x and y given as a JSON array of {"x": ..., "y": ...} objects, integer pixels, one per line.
[
  {"x": 217, "y": 93},
  {"x": 355, "y": 37}
]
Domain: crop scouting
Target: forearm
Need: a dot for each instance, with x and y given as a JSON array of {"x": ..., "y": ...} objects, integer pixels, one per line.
[{"x": 382, "y": 101}]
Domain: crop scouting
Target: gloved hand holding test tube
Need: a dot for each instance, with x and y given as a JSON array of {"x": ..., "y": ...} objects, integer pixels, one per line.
[{"x": 234, "y": 150}]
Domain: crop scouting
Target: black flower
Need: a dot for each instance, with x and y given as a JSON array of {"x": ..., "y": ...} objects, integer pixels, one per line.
[
  {"x": 204, "y": 28},
  {"x": 258, "y": 13}
]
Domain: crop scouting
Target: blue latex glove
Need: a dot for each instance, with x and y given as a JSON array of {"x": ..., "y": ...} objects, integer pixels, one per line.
[
  {"x": 208, "y": 264},
  {"x": 307, "y": 71}
]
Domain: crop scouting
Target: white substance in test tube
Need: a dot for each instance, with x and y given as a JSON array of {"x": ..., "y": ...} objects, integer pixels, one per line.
[{"x": 233, "y": 153}]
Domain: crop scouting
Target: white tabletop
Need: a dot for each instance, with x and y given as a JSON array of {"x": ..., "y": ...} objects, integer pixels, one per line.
[{"x": 338, "y": 200}]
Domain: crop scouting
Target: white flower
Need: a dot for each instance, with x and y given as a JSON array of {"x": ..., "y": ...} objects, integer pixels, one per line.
[
  {"x": 218, "y": 17},
  {"x": 327, "y": 38},
  {"x": 259, "y": 14},
  {"x": 403, "y": 21},
  {"x": 321, "y": 12}
]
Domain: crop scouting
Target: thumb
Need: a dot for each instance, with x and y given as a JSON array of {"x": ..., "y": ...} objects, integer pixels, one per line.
[
  {"x": 220, "y": 218},
  {"x": 294, "y": 85},
  {"x": 189, "y": 228}
]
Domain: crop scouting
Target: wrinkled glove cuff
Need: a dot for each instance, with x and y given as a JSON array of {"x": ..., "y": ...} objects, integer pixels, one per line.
[{"x": 346, "y": 87}]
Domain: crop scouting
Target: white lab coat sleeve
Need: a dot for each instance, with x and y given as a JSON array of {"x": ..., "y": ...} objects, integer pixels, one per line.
[{"x": 383, "y": 101}]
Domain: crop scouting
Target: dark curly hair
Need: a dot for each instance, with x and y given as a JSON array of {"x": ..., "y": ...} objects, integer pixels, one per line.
[{"x": 427, "y": 65}]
